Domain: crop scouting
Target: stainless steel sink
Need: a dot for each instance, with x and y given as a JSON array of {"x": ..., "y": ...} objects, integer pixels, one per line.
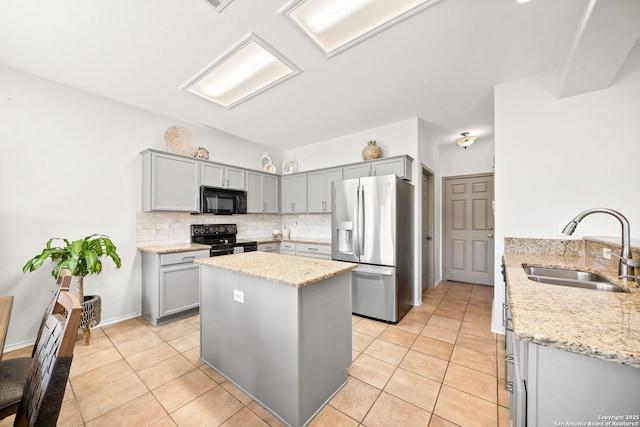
[{"x": 572, "y": 278}]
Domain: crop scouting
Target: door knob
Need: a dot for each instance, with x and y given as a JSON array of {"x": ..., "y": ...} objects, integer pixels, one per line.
[{"x": 491, "y": 236}]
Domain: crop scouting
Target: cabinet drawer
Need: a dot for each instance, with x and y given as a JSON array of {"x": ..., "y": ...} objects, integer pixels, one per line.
[
  {"x": 268, "y": 247},
  {"x": 182, "y": 257},
  {"x": 314, "y": 249},
  {"x": 287, "y": 246}
]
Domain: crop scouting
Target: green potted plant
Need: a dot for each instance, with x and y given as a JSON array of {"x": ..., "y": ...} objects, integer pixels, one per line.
[{"x": 81, "y": 257}]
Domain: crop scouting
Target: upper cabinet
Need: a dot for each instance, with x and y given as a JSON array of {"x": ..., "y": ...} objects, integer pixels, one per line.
[
  {"x": 319, "y": 189},
  {"x": 170, "y": 182},
  {"x": 400, "y": 166},
  {"x": 215, "y": 175},
  {"x": 262, "y": 193},
  {"x": 294, "y": 193}
]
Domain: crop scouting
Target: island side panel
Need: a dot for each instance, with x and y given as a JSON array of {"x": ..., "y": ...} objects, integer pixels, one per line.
[
  {"x": 254, "y": 344},
  {"x": 325, "y": 341}
]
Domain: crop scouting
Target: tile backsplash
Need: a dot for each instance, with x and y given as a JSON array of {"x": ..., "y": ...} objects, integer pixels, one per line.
[{"x": 168, "y": 228}]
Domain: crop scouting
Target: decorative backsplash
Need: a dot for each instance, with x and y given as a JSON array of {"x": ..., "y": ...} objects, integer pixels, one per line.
[{"x": 169, "y": 228}]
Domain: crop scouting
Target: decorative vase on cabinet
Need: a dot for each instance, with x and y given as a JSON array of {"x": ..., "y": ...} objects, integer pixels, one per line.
[{"x": 371, "y": 151}]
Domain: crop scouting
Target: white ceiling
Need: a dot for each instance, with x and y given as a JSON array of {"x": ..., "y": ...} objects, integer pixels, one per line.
[{"x": 440, "y": 65}]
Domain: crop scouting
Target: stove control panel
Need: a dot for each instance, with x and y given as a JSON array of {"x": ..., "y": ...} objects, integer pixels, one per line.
[{"x": 213, "y": 229}]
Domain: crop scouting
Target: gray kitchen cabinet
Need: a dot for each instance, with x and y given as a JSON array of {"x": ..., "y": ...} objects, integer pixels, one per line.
[
  {"x": 269, "y": 247},
  {"x": 170, "y": 182},
  {"x": 288, "y": 248},
  {"x": 548, "y": 385},
  {"x": 216, "y": 175},
  {"x": 262, "y": 193},
  {"x": 294, "y": 193},
  {"x": 319, "y": 189},
  {"x": 400, "y": 166},
  {"x": 170, "y": 285},
  {"x": 309, "y": 250},
  {"x": 312, "y": 250}
]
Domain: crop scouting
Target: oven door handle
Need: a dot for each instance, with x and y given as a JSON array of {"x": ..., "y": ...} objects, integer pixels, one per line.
[{"x": 221, "y": 251}]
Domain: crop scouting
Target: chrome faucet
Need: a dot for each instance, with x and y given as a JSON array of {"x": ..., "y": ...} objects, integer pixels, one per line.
[{"x": 625, "y": 268}]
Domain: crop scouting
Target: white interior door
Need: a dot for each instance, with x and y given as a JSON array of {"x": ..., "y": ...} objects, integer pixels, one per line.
[{"x": 468, "y": 229}]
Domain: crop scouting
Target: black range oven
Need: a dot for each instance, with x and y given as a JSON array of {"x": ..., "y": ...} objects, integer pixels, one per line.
[{"x": 221, "y": 238}]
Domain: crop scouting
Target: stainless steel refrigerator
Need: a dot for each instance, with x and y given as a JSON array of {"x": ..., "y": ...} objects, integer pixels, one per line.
[{"x": 372, "y": 224}]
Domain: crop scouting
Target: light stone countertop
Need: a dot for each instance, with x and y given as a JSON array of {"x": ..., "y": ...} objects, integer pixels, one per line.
[
  {"x": 170, "y": 249},
  {"x": 600, "y": 324},
  {"x": 285, "y": 269}
]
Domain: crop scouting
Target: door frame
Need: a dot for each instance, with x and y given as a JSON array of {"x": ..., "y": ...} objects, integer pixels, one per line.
[
  {"x": 431, "y": 226},
  {"x": 445, "y": 255}
]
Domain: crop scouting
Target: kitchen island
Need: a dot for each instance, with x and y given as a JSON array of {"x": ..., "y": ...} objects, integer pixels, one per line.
[{"x": 278, "y": 327}]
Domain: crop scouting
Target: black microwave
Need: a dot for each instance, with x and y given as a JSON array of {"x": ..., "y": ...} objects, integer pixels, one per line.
[{"x": 222, "y": 201}]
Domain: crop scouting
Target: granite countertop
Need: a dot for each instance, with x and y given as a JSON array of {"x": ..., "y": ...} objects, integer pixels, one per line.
[
  {"x": 600, "y": 324},
  {"x": 285, "y": 269},
  {"x": 170, "y": 249}
]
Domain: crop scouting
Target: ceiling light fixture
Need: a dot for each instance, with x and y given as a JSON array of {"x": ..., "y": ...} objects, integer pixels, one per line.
[
  {"x": 465, "y": 140},
  {"x": 336, "y": 25},
  {"x": 218, "y": 5},
  {"x": 247, "y": 69}
]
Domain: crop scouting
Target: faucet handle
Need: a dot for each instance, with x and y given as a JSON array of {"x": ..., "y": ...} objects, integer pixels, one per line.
[{"x": 626, "y": 261}]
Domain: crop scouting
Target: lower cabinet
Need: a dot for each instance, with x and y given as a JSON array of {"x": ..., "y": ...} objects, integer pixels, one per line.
[
  {"x": 309, "y": 250},
  {"x": 269, "y": 247},
  {"x": 170, "y": 285},
  {"x": 549, "y": 386},
  {"x": 288, "y": 248},
  {"x": 313, "y": 251}
]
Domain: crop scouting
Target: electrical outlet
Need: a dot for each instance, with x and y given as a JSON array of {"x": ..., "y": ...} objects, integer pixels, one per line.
[
  {"x": 606, "y": 253},
  {"x": 238, "y": 296}
]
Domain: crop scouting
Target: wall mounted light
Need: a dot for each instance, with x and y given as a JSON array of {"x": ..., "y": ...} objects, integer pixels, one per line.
[{"x": 465, "y": 140}]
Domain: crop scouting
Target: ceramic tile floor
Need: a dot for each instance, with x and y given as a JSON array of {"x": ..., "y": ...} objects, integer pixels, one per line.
[{"x": 440, "y": 366}]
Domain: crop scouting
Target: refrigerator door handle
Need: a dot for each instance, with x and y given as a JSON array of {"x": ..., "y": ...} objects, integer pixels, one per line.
[
  {"x": 361, "y": 221},
  {"x": 356, "y": 210}
]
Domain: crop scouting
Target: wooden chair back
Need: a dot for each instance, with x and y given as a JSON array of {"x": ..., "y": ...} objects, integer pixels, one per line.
[
  {"x": 64, "y": 281},
  {"x": 45, "y": 387}
]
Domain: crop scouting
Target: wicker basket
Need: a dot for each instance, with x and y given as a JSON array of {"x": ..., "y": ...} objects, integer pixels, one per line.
[{"x": 91, "y": 312}]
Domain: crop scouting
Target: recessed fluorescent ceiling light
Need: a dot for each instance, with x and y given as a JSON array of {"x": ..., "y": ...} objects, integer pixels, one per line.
[
  {"x": 336, "y": 25},
  {"x": 247, "y": 69}
]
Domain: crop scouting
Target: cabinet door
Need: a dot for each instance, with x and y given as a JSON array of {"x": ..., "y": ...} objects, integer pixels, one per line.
[
  {"x": 255, "y": 184},
  {"x": 330, "y": 176},
  {"x": 389, "y": 167},
  {"x": 270, "y": 194},
  {"x": 316, "y": 196},
  {"x": 235, "y": 178},
  {"x": 211, "y": 175},
  {"x": 179, "y": 288},
  {"x": 294, "y": 194},
  {"x": 357, "y": 171},
  {"x": 175, "y": 184}
]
